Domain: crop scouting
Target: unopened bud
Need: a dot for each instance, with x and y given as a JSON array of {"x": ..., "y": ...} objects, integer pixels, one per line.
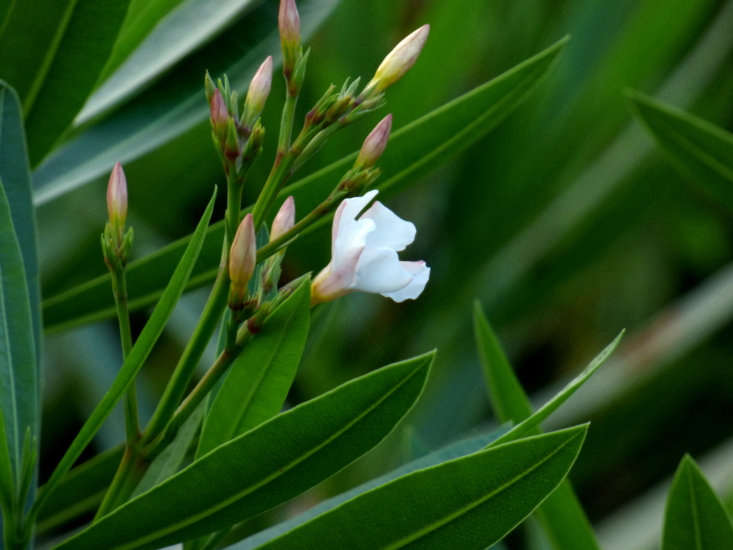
[
  {"x": 399, "y": 60},
  {"x": 288, "y": 21},
  {"x": 242, "y": 260},
  {"x": 232, "y": 148},
  {"x": 374, "y": 144},
  {"x": 284, "y": 220},
  {"x": 219, "y": 115},
  {"x": 258, "y": 91},
  {"x": 117, "y": 197}
]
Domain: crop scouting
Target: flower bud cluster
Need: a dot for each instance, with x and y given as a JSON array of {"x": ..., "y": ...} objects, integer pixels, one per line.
[{"x": 116, "y": 243}]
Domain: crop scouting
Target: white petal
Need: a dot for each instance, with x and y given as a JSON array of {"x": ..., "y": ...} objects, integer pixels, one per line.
[
  {"x": 349, "y": 234},
  {"x": 392, "y": 231},
  {"x": 379, "y": 270},
  {"x": 420, "y": 274}
]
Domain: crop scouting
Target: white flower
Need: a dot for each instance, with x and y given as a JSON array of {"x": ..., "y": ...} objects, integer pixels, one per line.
[{"x": 364, "y": 254}]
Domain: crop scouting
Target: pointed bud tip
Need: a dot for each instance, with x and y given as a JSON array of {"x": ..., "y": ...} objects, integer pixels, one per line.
[
  {"x": 375, "y": 144},
  {"x": 400, "y": 59},
  {"x": 243, "y": 253},
  {"x": 289, "y": 22},
  {"x": 284, "y": 220},
  {"x": 117, "y": 195},
  {"x": 259, "y": 91}
]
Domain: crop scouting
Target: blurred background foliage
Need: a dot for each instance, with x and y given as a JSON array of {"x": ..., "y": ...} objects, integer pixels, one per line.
[{"x": 566, "y": 222}]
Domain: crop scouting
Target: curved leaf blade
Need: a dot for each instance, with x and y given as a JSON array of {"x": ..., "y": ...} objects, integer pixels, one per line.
[
  {"x": 19, "y": 384},
  {"x": 471, "y": 502},
  {"x": 174, "y": 105},
  {"x": 152, "y": 42},
  {"x": 258, "y": 381},
  {"x": 137, "y": 356},
  {"x": 283, "y": 457},
  {"x": 56, "y": 60},
  {"x": 701, "y": 151},
  {"x": 695, "y": 518},
  {"x": 413, "y": 149}
]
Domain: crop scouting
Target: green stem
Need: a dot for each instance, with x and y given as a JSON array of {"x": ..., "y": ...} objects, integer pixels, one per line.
[
  {"x": 119, "y": 288},
  {"x": 129, "y": 473}
]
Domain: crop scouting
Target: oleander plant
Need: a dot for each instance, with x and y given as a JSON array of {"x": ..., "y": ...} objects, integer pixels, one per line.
[{"x": 218, "y": 330}]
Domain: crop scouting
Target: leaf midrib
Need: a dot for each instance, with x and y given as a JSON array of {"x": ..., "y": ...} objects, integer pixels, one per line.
[
  {"x": 477, "y": 502},
  {"x": 191, "y": 520},
  {"x": 694, "y": 512},
  {"x": 11, "y": 373}
]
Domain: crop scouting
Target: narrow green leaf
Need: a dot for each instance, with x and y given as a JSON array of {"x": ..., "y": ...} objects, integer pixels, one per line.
[
  {"x": 258, "y": 381},
  {"x": 701, "y": 151},
  {"x": 16, "y": 180},
  {"x": 171, "y": 459},
  {"x": 413, "y": 150},
  {"x": 138, "y": 354},
  {"x": 80, "y": 491},
  {"x": 175, "y": 104},
  {"x": 695, "y": 518},
  {"x": 19, "y": 393},
  {"x": 470, "y": 502},
  {"x": 7, "y": 479},
  {"x": 155, "y": 36},
  {"x": 455, "y": 450},
  {"x": 562, "y": 517},
  {"x": 54, "y": 60},
  {"x": 265, "y": 466}
]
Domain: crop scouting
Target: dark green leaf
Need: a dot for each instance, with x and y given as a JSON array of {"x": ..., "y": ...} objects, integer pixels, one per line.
[
  {"x": 455, "y": 450},
  {"x": 16, "y": 179},
  {"x": 265, "y": 466},
  {"x": 19, "y": 384},
  {"x": 414, "y": 149},
  {"x": 562, "y": 517},
  {"x": 258, "y": 381},
  {"x": 80, "y": 491},
  {"x": 470, "y": 502},
  {"x": 53, "y": 52},
  {"x": 156, "y": 35},
  {"x": 138, "y": 354},
  {"x": 695, "y": 518},
  {"x": 175, "y": 104},
  {"x": 701, "y": 151}
]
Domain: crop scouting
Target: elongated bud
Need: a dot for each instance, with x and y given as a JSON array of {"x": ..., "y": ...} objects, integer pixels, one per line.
[
  {"x": 288, "y": 20},
  {"x": 284, "y": 220},
  {"x": 399, "y": 60},
  {"x": 219, "y": 115},
  {"x": 242, "y": 260},
  {"x": 259, "y": 90},
  {"x": 374, "y": 144},
  {"x": 117, "y": 197}
]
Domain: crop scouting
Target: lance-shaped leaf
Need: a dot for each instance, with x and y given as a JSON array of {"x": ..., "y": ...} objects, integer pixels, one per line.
[
  {"x": 16, "y": 179},
  {"x": 174, "y": 105},
  {"x": 137, "y": 356},
  {"x": 471, "y": 502},
  {"x": 701, "y": 151},
  {"x": 562, "y": 517},
  {"x": 455, "y": 450},
  {"x": 19, "y": 393},
  {"x": 413, "y": 150},
  {"x": 258, "y": 381},
  {"x": 265, "y": 466},
  {"x": 695, "y": 518},
  {"x": 52, "y": 53}
]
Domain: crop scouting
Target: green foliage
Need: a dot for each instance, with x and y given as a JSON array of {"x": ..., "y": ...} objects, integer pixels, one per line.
[
  {"x": 470, "y": 502},
  {"x": 702, "y": 151},
  {"x": 258, "y": 381},
  {"x": 695, "y": 518},
  {"x": 283, "y": 457}
]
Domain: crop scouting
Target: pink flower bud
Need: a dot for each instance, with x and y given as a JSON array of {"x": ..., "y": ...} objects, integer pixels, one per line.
[
  {"x": 117, "y": 196},
  {"x": 284, "y": 220},
  {"x": 288, "y": 20},
  {"x": 259, "y": 90},
  {"x": 243, "y": 256},
  {"x": 374, "y": 144},
  {"x": 399, "y": 60},
  {"x": 219, "y": 115}
]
